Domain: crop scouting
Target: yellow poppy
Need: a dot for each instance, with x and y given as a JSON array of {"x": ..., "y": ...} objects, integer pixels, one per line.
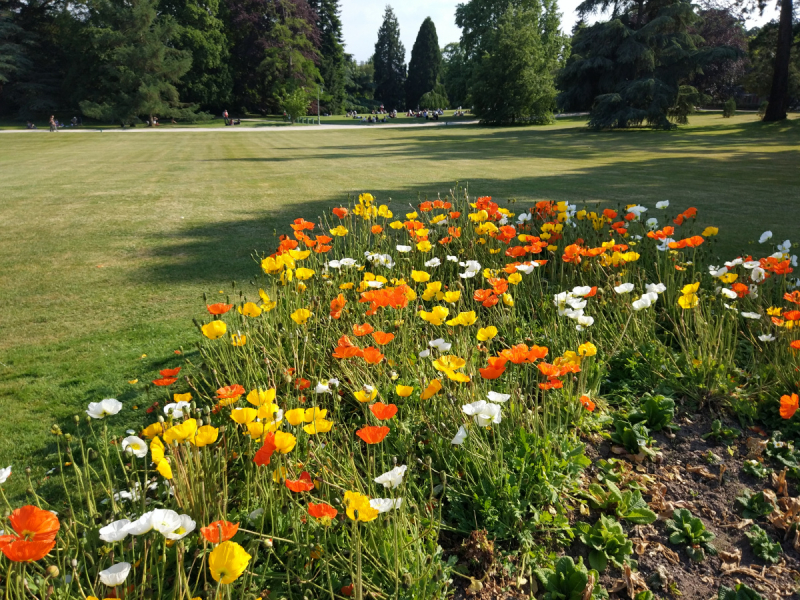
[
  {"x": 365, "y": 396},
  {"x": 214, "y": 329},
  {"x": 243, "y": 416},
  {"x": 295, "y": 416},
  {"x": 227, "y": 562},
  {"x": 434, "y": 387},
  {"x": 354, "y": 501},
  {"x": 164, "y": 469},
  {"x": 182, "y": 432},
  {"x": 404, "y": 391},
  {"x": 318, "y": 426},
  {"x": 284, "y": 442},
  {"x": 436, "y": 316},
  {"x": 587, "y": 349},
  {"x": 304, "y": 274},
  {"x": 420, "y": 276},
  {"x": 465, "y": 319},
  {"x": 486, "y": 333},
  {"x": 301, "y": 315},
  {"x": 259, "y": 397},
  {"x": 205, "y": 435},
  {"x": 249, "y": 309}
]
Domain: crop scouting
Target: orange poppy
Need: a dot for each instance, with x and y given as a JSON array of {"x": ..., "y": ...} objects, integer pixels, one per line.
[
  {"x": 347, "y": 352},
  {"x": 337, "y": 305},
  {"x": 304, "y": 484},
  {"x": 499, "y": 285},
  {"x": 229, "y": 392},
  {"x": 373, "y": 435},
  {"x": 383, "y": 411},
  {"x": 35, "y": 531},
  {"x": 792, "y": 315},
  {"x": 219, "y": 531},
  {"x": 362, "y": 330},
  {"x": 690, "y": 213},
  {"x": 264, "y": 454},
  {"x": 789, "y": 405},
  {"x": 795, "y": 345},
  {"x": 372, "y": 355},
  {"x": 322, "y": 511},
  {"x": 382, "y": 338},
  {"x": 169, "y": 372},
  {"x": 516, "y": 251},
  {"x": 300, "y": 224},
  {"x": 164, "y": 381},
  {"x": 340, "y": 212},
  {"x": 678, "y": 220},
  {"x": 376, "y": 229},
  {"x": 302, "y": 384},
  {"x": 517, "y": 354},
  {"x": 741, "y": 289},
  {"x": 347, "y": 590},
  {"x": 587, "y": 403},
  {"x": 794, "y": 297},
  {"x": 551, "y": 384},
  {"x": 220, "y": 308}
]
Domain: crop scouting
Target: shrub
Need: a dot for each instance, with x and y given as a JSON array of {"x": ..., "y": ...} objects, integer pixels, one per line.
[{"x": 729, "y": 108}]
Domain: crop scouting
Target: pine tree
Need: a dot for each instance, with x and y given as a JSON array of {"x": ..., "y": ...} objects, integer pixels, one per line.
[
  {"x": 424, "y": 68},
  {"x": 331, "y": 49},
  {"x": 139, "y": 64},
  {"x": 201, "y": 32},
  {"x": 637, "y": 67},
  {"x": 390, "y": 63},
  {"x": 513, "y": 80}
]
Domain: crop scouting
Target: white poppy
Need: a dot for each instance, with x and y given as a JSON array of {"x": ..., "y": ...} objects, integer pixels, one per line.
[
  {"x": 425, "y": 354},
  {"x": 434, "y": 262},
  {"x": 751, "y": 315},
  {"x": 576, "y": 303},
  {"x": 527, "y": 268},
  {"x": 663, "y": 246},
  {"x": 5, "y": 474},
  {"x": 655, "y": 288},
  {"x": 758, "y": 274},
  {"x": 581, "y": 290},
  {"x": 523, "y": 217},
  {"x": 116, "y": 575},
  {"x": 715, "y": 271},
  {"x": 116, "y": 531},
  {"x": 175, "y": 409},
  {"x": 392, "y": 479},
  {"x": 728, "y": 293},
  {"x": 585, "y": 321},
  {"x": 402, "y": 248},
  {"x": 440, "y": 345},
  {"x": 135, "y": 445},
  {"x": 375, "y": 284},
  {"x": 165, "y": 520},
  {"x": 498, "y": 397},
  {"x": 187, "y": 526},
  {"x": 662, "y": 205},
  {"x": 625, "y": 288},
  {"x": 733, "y": 263},
  {"x": 637, "y": 210},
  {"x": 767, "y": 337},
  {"x": 652, "y": 223},
  {"x": 767, "y": 235},
  {"x": 385, "y": 504},
  {"x": 642, "y": 303},
  {"x": 784, "y": 247},
  {"x": 255, "y": 515},
  {"x": 323, "y": 387},
  {"x": 460, "y": 436},
  {"x": 452, "y": 258},
  {"x": 753, "y": 289},
  {"x": 485, "y": 413},
  {"x": 104, "y": 408}
]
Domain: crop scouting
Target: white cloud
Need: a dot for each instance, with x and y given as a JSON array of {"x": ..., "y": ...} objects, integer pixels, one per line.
[{"x": 362, "y": 18}]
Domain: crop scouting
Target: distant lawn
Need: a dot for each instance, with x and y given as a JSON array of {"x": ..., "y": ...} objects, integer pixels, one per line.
[{"x": 110, "y": 240}]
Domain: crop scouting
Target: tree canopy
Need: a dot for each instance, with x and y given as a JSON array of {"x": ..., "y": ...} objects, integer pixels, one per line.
[
  {"x": 331, "y": 62},
  {"x": 390, "y": 63},
  {"x": 425, "y": 66}
]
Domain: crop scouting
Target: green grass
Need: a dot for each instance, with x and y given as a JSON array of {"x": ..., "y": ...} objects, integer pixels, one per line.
[{"x": 110, "y": 240}]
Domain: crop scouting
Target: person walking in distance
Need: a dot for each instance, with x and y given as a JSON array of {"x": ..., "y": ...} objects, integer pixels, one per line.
[
  {"x": 225, "y": 115},
  {"x": 53, "y": 124}
]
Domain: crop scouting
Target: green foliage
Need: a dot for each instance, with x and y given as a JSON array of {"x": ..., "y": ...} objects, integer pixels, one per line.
[
  {"x": 721, "y": 434},
  {"x": 332, "y": 64},
  {"x": 634, "y": 438},
  {"x": 139, "y": 67},
  {"x": 754, "y": 505},
  {"x": 295, "y": 104},
  {"x": 729, "y": 108},
  {"x": 657, "y": 412},
  {"x": 456, "y": 74},
  {"x": 635, "y": 370},
  {"x": 761, "y": 52},
  {"x": 763, "y": 547},
  {"x": 637, "y": 67},
  {"x": 390, "y": 63},
  {"x": 513, "y": 80},
  {"x": 684, "y": 529},
  {"x": 360, "y": 85},
  {"x": 756, "y": 469},
  {"x": 740, "y": 591},
  {"x": 607, "y": 542},
  {"x": 628, "y": 505},
  {"x": 12, "y": 52},
  {"x": 437, "y": 98},
  {"x": 784, "y": 453},
  {"x": 425, "y": 66},
  {"x": 567, "y": 581},
  {"x": 506, "y": 498}
]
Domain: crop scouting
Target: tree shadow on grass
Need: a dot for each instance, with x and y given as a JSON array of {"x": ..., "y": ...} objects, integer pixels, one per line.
[{"x": 742, "y": 193}]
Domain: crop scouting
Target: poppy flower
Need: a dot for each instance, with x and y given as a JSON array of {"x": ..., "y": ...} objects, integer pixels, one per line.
[
  {"x": 340, "y": 212},
  {"x": 434, "y": 387},
  {"x": 789, "y": 405},
  {"x": 302, "y": 384},
  {"x": 383, "y": 411},
  {"x": 587, "y": 403},
  {"x": 795, "y": 345},
  {"x": 230, "y": 392},
  {"x": 220, "y": 308},
  {"x": 347, "y": 590},
  {"x": 354, "y": 501},
  {"x": 372, "y": 355},
  {"x": 322, "y": 511},
  {"x": 337, "y": 305},
  {"x": 373, "y": 435},
  {"x": 362, "y": 330},
  {"x": 227, "y": 562},
  {"x": 164, "y": 381},
  {"x": 382, "y": 338},
  {"x": 303, "y": 484},
  {"x": 264, "y": 454},
  {"x": 169, "y": 372},
  {"x": 34, "y": 534},
  {"x": 214, "y": 329},
  {"x": 219, "y": 531}
]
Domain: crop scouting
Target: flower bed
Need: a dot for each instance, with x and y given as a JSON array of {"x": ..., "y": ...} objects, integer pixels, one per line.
[{"x": 400, "y": 382}]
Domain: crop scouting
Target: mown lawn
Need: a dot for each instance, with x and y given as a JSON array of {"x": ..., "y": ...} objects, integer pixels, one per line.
[{"x": 110, "y": 239}]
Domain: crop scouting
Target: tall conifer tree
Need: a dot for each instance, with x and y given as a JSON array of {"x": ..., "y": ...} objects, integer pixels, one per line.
[
  {"x": 424, "y": 68},
  {"x": 390, "y": 63},
  {"x": 331, "y": 50}
]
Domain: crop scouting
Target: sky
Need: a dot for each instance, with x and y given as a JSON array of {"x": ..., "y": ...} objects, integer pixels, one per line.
[{"x": 362, "y": 18}]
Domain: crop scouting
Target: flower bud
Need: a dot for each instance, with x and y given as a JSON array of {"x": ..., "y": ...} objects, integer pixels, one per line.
[{"x": 52, "y": 571}]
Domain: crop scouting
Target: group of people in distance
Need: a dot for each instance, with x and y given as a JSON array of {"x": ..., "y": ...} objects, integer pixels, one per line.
[{"x": 230, "y": 121}]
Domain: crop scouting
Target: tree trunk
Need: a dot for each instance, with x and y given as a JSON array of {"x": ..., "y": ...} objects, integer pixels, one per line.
[{"x": 779, "y": 95}]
